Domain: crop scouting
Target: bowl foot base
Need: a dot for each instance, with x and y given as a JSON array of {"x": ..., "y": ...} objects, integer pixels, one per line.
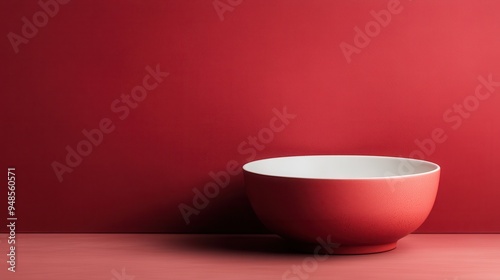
[{"x": 346, "y": 249}]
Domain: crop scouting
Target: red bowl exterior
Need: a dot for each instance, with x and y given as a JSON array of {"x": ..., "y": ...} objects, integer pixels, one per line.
[{"x": 351, "y": 212}]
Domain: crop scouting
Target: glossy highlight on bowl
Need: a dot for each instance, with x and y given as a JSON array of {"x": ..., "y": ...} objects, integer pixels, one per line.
[{"x": 363, "y": 204}]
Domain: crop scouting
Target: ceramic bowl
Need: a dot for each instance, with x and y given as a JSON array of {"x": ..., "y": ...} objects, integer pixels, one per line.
[{"x": 342, "y": 204}]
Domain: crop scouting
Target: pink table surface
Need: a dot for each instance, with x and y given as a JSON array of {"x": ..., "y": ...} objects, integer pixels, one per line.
[{"x": 177, "y": 256}]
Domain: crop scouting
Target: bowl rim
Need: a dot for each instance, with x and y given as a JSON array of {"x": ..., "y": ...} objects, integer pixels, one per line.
[{"x": 436, "y": 168}]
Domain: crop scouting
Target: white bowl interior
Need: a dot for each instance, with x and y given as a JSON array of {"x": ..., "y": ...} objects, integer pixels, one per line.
[{"x": 340, "y": 167}]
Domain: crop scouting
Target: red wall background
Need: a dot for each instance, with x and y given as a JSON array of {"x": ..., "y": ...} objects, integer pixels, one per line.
[{"x": 229, "y": 73}]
